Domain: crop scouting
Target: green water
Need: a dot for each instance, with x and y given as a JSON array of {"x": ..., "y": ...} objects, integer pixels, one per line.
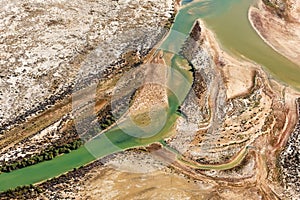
[
  {"x": 228, "y": 19},
  {"x": 114, "y": 140},
  {"x": 45, "y": 170}
]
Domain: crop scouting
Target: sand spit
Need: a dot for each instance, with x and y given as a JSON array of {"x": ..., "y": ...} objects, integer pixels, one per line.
[{"x": 282, "y": 33}]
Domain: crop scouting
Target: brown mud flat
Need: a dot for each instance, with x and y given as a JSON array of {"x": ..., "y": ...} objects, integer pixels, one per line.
[
  {"x": 256, "y": 177},
  {"x": 48, "y": 111},
  {"x": 242, "y": 108},
  {"x": 246, "y": 109},
  {"x": 42, "y": 59},
  {"x": 280, "y": 31}
]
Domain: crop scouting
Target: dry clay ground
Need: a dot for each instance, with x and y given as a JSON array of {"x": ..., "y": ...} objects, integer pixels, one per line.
[
  {"x": 232, "y": 118},
  {"x": 280, "y": 29},
  {"x": 43, "y": 46},
  {"x": 138, "y": 174}
]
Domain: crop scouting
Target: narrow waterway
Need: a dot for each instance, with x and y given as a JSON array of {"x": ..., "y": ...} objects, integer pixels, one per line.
[{"x": 228, "y": 19}]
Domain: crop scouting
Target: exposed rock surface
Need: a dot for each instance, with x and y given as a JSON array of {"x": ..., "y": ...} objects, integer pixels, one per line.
[
  {"x": 43, "y": 45},
  {"x": 290, "y": 162},
  {"x": 219, "y": 118},
  {"x": 258, "y": 114},
  {"x": 278, "y": 22}
]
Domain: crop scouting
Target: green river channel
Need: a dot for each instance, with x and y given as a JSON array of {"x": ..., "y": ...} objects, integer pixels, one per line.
[{"x": 228, "y": 19}]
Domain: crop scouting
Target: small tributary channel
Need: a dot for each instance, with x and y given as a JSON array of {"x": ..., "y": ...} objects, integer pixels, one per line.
[{"x": 228, "y": 19}]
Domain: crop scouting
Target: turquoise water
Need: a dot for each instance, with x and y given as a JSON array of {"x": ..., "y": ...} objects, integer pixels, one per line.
[
  {"x": 228, "y": 19},
  {"x": 185, "y": 2},
  {"x": 114, "y": 140}
]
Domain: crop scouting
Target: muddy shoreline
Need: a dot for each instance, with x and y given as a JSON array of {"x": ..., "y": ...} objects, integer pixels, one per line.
[{"x": 281, "y": 33}]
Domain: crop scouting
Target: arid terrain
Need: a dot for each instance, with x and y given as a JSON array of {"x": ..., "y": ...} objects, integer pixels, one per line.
[
  {"x": 33, "y": 98},
  {"x": 235, "y": 136},
  {"x": 277, "y": 22}
]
